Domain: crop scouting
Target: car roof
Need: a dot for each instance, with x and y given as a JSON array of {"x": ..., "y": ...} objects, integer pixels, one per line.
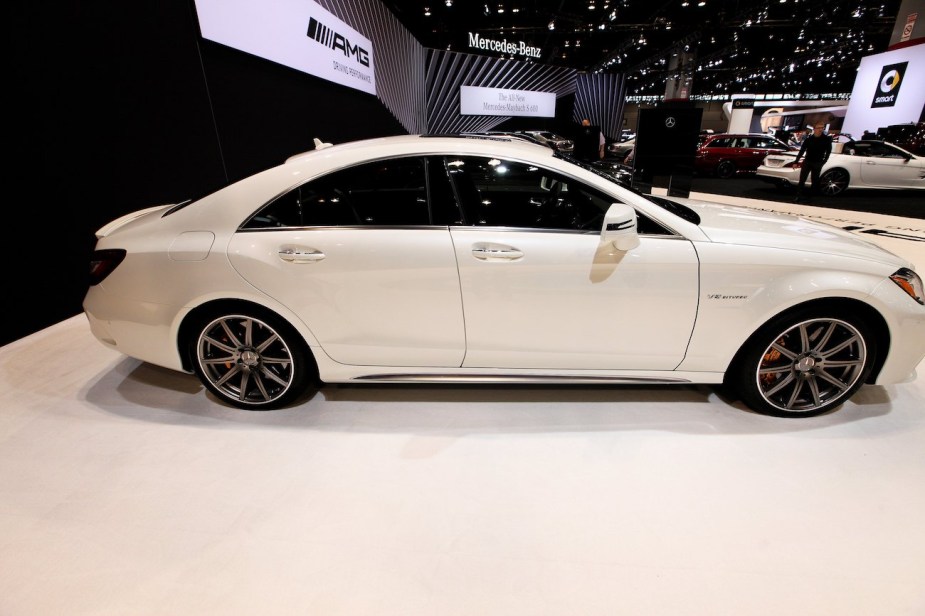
[
  {"x": 422, "y": 144},
  {"x": 231, "y": 204}
]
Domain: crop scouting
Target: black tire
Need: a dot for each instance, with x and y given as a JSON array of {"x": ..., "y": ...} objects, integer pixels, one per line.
[
  {"x": 725, "y": 169},
  {"x": 804, "y": 363},
  {"x": 834, "y": 182},
  {"x": 250, "y": 359}
]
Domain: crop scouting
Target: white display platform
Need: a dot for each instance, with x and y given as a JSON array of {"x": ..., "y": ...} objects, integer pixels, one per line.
[{"x": 124, "y": 489}]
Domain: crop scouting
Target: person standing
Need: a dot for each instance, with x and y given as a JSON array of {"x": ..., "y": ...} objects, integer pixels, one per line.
[
  {"x": 816, "y": 149},
  {"x": 589, "y": 145}
]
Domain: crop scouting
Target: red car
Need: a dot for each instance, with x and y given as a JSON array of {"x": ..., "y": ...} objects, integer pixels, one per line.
[{"x": 727, "y": 154}]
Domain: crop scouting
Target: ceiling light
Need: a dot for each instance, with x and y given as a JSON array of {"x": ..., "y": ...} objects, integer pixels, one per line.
[
  {"x": 449, "y": 2},
  {"x": 552, "y": 25},
  {"x": 427, "y": 11}
]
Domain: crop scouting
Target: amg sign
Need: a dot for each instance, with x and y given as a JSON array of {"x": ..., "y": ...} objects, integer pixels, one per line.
[
  {"x": 329, "y": 38},
  {"x": 299, "y": 34}
]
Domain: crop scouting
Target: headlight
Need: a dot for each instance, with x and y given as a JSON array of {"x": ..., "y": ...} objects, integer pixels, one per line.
[{"x": 910, "y": 282}]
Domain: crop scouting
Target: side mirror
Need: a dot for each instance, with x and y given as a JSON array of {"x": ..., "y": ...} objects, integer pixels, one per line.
[{"x": 620, "y": 227}]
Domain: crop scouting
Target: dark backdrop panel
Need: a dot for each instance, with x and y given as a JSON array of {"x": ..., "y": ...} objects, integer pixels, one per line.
[
  {"x": 115, "y": 118},
  {"x": 113, "y": 112},
  {"x": 266, "y": 112},
  {"x": 666, "y": 143}
]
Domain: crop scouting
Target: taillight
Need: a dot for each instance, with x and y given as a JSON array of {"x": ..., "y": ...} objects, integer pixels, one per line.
[
  {"x": 794, "y": 165},
  {"x": 103, "y": 262}
]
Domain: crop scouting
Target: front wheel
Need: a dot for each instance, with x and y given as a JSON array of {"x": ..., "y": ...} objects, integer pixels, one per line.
[
  {"x": 834, "y": 182},
  {"x": 726, "y": 169},
  {"x": 249, "y": 360},
  {"x": 805, "y": 364}
]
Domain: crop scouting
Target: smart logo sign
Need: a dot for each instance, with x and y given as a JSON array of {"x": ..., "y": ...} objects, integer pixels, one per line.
[
  {"x": 891, "y": 78},
  {"x": 299, "y": 34}
]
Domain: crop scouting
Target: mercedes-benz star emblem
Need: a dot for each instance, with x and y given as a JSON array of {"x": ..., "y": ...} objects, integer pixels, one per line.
[{"x": 670, "y": 121}]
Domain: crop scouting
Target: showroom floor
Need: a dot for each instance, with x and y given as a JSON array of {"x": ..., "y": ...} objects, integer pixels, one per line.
[{"x": 124, "y": 489}]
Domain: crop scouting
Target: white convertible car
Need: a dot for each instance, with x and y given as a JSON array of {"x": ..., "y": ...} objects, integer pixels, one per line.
[
  {"x": 859, "y": 164},
  {"x": 480, "y": 260}
]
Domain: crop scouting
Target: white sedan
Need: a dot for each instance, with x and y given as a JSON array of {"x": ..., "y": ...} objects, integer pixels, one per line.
[
  {"x": 860, "y": 164},
  {"x": 620, "y": 149},
  {"x": 481, "y": 260}
]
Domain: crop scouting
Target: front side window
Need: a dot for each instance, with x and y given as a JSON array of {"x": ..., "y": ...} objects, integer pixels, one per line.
[
  {"x": 382, "y": 193},
  {"x": 768, "y": 143},
  {"x": 882, "y": 150},
  {"x": 502, "y": 193}
]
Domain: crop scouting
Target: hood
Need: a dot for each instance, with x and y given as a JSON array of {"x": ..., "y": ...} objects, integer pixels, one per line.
[{"x": 730, "y": 224}]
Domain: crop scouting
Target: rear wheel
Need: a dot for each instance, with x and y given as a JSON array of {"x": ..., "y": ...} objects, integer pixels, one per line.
[
  {"x": 804, "y": 364},
  {"x": 725, "y": 169},
  {"x": 834, "y": 182},
  {"x": 250, "y": 360}
]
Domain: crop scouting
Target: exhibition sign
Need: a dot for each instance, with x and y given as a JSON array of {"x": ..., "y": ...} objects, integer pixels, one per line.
[
  {"x": 503, "y": 46},
  {"x": 299, "y": 34},
  {"x": 885, "y": 92},
  {"x": 505, "y": 102}
]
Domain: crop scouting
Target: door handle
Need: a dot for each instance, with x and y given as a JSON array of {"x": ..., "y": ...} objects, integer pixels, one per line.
[
  {"x": 489, "y": 252},
  {"x": 296, "y": 255}
]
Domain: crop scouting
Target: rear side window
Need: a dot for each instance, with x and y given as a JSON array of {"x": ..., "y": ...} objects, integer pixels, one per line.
[
  {"x": 382, "y": 193},
  {"x": 722, "y": 142}
]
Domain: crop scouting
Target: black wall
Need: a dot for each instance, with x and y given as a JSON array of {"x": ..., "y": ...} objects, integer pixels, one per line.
[{"x": 119, "y": 106}]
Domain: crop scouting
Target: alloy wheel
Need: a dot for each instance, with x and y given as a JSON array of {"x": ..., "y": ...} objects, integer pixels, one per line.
[
  {"x": 812, "y": 364},
  {"x": 245, "y": 360},
  {"x": 726, "y": 169},
  {"x": 834, "y": 182}
]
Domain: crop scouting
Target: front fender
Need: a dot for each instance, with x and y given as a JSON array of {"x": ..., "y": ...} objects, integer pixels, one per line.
[{"x": 737, "y": 298}]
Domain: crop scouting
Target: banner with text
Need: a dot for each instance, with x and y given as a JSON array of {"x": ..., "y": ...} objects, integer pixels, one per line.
[
  {"x": 295, "y": 33},
  {"x": 504, "y": 102}
]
